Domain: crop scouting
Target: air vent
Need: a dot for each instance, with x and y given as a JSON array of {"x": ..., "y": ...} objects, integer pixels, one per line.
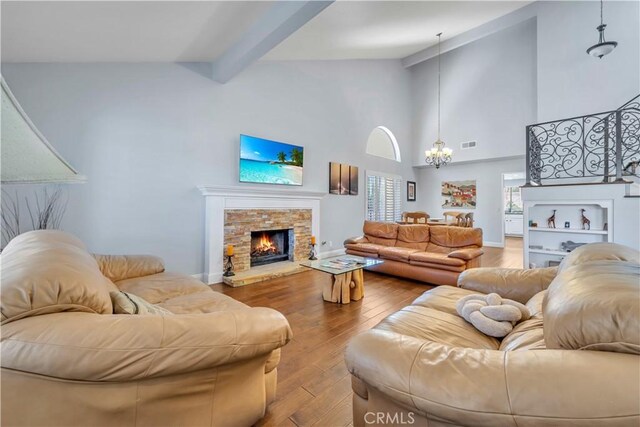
[{"x": 468, "y": 145}]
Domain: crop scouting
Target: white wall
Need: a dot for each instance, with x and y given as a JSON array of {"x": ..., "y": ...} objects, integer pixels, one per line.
[
  {"x": 488, "y": 176},
  {"x": 572, "y": 83},
  {"x": 146, "y": 135},
  {"x": 488, "y": 95}
]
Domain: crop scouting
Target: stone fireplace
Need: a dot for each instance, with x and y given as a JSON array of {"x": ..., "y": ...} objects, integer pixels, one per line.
[
  {"x": 262, "y": 236},
  {"x": 239, "y": 215}
]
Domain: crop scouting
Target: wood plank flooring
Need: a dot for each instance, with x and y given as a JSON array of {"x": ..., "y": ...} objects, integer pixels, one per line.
[{"x": 314, "y": 387}]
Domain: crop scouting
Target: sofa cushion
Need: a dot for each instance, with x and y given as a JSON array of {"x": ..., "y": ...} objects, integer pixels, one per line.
[
  {"x": 437, "y": 326},
  {"x": 527, "y": 335},
  {"x": 535, "y": 304},
  {"x": 396, "y": 253},
  {"x": 443, "y": 267},
  {"x": 413, "y": 236},
  {"x": 365, "y": 247},
  {"x": 598, "y": 252},
  {"x": 160, "y": 287},
  {"x": 362, "y": 254},
  {"x": 594, "y": 306},
  {"x": 417, "y": 258},
  {"x": 208, "y": 301},
  {"x": 381, "y": 233},
  {"x": 442, "y": 298},
  {"x": 49, "y": 271},
  {"x": 456, "y": 237}
]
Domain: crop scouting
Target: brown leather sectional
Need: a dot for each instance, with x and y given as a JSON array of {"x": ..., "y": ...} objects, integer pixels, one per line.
[
  {"x": 575, "y": 362},
  {"x": 435, "y": 255},
  {"x": 67, "y": 360}
]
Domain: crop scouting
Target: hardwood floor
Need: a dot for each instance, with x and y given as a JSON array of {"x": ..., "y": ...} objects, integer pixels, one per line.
[
  {"x": 314, "y": 387},
  {"x": 510, "y": 256}
]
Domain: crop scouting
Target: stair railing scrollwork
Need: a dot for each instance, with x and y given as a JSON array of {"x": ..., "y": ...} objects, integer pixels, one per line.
[{"x": 581, "y": 148}]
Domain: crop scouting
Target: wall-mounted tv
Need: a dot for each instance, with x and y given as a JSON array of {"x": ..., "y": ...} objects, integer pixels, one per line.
[{"x": 270, "y": 162}]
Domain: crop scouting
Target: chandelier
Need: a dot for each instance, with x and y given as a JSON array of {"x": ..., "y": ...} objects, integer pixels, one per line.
[
  {"x": 439, "y": 155},
  {"x": 603, "y": 47}
]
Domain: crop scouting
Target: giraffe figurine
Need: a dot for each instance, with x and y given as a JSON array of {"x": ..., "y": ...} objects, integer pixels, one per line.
[
  {"x": 586, "y": 223},
  {"x": 551, "y": 221}
]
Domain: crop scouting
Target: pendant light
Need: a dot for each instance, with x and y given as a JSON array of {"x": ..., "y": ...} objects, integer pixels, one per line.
[
  {"x": 439, "y": 155},
  {"x": 603, "y": 47}
]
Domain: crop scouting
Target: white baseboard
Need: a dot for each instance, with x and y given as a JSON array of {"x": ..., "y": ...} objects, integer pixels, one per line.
[
  {"x": 211, "y": 279},
  {"x": 328, "y": 254},
  {"x": 493, "y": 244}
]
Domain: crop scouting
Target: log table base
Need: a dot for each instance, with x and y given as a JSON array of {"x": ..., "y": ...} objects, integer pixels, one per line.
[{"x": 344, "y": 287}]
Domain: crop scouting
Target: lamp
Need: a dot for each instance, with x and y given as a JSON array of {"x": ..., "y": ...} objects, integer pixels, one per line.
[
  {"x": 27, "y": 156},
  {"x": 439, "y": 155},
  {"x": 603, "y": 47}
]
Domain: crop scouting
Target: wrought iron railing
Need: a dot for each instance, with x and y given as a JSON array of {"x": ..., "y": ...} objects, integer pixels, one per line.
[{"x": 582, "y": 148}]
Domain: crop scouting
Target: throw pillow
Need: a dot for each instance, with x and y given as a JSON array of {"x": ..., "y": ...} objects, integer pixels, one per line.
[
  {"x": 126, "y": 303},
  {"x": 491, "y": 314}
]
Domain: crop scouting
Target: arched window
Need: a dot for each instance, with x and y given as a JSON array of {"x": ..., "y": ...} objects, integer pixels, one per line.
[{"x": 382, "y": 143}]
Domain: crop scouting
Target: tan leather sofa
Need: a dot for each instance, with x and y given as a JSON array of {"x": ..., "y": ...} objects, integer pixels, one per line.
[
  {"x": 67, "y": 360},
  {"x": 435, "y": 255},
  {"x": 574, "y": 363}
]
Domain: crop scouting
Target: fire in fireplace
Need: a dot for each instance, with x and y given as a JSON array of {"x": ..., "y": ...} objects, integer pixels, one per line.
[{"x": 270, "y": 246}]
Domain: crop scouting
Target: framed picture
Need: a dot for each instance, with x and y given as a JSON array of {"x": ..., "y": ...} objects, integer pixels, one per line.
[
  {"x": 353, "y": 180},
  {"x": 334, "y": 178},
  {"x": 459, "y": 194},
  {"x": 411, "y": 191},
  {"x": 343, "y": 179}
]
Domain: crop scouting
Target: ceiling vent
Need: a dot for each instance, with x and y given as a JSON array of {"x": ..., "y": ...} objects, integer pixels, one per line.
[{"x": 468, "y": 145}]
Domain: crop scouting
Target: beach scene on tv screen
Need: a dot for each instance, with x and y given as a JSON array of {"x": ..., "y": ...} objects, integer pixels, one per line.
[{"x": 270, "y": 162}]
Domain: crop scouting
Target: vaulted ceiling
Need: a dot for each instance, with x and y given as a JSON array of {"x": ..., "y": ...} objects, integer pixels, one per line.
[
  {"x": 202, "y": 31},
  {"x": 386, "y": 29}
]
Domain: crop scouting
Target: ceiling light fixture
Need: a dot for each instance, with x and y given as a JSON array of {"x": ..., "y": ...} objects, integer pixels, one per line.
[
  {"x": 603, "y": 47},
  {"x": 439, "y": 155}
]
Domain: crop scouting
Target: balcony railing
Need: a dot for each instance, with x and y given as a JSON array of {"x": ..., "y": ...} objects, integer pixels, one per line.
[{"x": 581, "y": 149}]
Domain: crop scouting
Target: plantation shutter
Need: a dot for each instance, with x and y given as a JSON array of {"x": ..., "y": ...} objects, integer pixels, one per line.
[{"x": 383, "y": 198}]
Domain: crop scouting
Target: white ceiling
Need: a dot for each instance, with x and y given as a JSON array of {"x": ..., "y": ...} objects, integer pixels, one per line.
[
  {"x": 386, "y": 29},
  {"x": 129, "y": 31},
  {"x": 158, "y": 31}
]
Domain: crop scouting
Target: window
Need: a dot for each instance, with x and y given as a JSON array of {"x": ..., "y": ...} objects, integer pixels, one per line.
[
  {"x": 384, "y": 197},
  {"x": 512, "y": 200},
  {"x": 382, "y": 143}
]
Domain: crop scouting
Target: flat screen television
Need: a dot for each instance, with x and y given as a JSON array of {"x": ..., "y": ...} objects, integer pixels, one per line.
[{"x": 270, "y": 162}]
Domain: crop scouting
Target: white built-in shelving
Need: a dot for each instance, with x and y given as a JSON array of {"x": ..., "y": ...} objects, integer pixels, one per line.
[
  {"x": 543, "y": 245},
  {"x": 568, "y": 230}
]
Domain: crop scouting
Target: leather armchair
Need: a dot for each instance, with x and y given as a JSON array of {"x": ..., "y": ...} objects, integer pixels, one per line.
[
  {"x": 68, "y": 360},
  {"x": 575, "y": 362}
]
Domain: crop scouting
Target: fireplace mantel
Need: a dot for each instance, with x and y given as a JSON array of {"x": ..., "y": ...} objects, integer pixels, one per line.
[
  {"x": 221, "y": 198},
  {"x": 260, "y": 192}
]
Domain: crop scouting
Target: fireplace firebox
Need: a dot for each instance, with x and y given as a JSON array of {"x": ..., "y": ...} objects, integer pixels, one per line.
[{"x": 268, "y": 246}]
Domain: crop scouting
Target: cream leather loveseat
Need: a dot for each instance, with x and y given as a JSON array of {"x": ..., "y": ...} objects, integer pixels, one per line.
[
  {"x": 67, "y": 360},
  {"x": 574, "y": 363}
]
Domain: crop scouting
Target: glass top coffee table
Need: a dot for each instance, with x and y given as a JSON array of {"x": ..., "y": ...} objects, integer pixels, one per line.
[{"x": 348, "y": 280}]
